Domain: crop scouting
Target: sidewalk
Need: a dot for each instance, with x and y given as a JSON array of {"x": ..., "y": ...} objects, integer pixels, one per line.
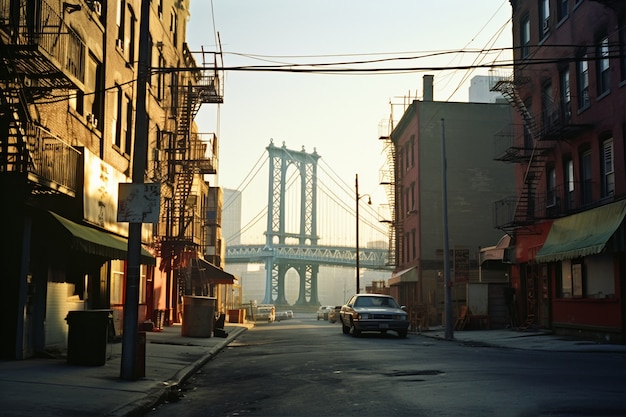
[
  {"x": 52, "y": 387},
  {"x": 528, "y": 340}
]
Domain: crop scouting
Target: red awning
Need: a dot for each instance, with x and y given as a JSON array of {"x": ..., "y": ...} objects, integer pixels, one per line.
[{"x": 212, "y": 273}]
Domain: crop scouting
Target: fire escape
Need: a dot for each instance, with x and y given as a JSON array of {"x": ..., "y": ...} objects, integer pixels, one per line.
[
  {"x": 531, "y": 144},
  {"x": 532, "y": 152},
  {"x": 189, "y": 156},
  {"x": 39, "y": 53},
  {"x": 393, "y": 187}
]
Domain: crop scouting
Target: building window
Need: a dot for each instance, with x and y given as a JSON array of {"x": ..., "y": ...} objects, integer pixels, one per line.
[
  {"x": 414, "y": 246},
  {"x": 525, "y": 37},
  {"x": 407, "y": 156},
  {"x": 568, "y": 175},
  {"x": 128, "y": 136},
  {"x": 117, "y": 282},
  {"x": 132, "y": 28},
  {"x": 174, "y": 28},
  {"x": 586, "y": 178},
  {"x": 161, "y": 78},
  {"x": 608, "y": 174},
  {"x": 544, "y": 17},
  {"x": 566, "y": 100},
  {"x": 551, "y": 190},
  {"x": 588, "y": 277},
  {"x": 583, "y": 83},
  {"x": 117, "y": 117},
  {"x": 547, "y": 106},
  {"x": 563, "y": 9},
  {"x": 602, "y": 64},
  {"x": 412, "y": 150},
  {"x": 120, "y": 19},
  {"x": 143, "y": 279}
]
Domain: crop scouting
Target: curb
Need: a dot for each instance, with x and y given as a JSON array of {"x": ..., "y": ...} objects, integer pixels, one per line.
[{"x": 169, "y": 389}]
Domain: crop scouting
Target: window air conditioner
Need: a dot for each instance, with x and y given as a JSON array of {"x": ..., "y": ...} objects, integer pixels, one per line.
[
  {"x": 96, "y": 6},
  {"x": 92, "y": 121},
  {"x": 546, "y": 25}
]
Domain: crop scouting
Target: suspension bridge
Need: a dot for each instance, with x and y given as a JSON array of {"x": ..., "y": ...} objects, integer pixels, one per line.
[{"x": 309, "y": 221}]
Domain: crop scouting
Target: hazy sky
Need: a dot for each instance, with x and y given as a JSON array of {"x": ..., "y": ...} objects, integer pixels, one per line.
[{"x": 337, "y": 114}]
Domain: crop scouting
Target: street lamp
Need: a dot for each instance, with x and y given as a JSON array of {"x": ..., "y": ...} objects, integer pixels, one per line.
[{"x": 369, "y": 201}]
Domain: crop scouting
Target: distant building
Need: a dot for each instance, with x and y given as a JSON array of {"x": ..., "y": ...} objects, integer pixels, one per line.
[
  {"x": 474, "y": 181},
  {"x": 480, "y": 91},
  {"x": 231, "y": 217}
]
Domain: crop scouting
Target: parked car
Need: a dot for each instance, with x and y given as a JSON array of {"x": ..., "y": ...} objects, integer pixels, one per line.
[
  {"x": 265, "y": 312},
  {"x": 322, "y": 312},
  {"x": 333, "y": 315},
  {"x": 373, "y": 313},
  {"x": 284, "y": 315}
]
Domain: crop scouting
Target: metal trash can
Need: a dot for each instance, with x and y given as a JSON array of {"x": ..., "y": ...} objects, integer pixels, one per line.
[
  {"x": 198, "y": 315},
  {"x": 88, "y": 336}
]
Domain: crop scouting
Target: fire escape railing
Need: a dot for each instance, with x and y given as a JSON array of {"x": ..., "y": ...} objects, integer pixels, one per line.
[
  {"x": 390, "y": 182},
  {"x": 38, "y": 52},
  {"x": 534, "y": 156},
  {"x": 189, "y": 154},
  {"x": 45, "y": 51},
  {"x": 530, "y": 144}
]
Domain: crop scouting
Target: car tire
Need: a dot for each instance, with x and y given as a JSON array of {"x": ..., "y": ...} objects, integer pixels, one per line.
[
  {"x": 402, "y": 334},
  {"x": 354, "y": 331}
]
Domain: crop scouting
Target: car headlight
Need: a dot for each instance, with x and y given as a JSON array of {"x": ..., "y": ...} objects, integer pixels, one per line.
[
  {"x": 400, "y": 317},
  {"x": 363, "y": 316}
]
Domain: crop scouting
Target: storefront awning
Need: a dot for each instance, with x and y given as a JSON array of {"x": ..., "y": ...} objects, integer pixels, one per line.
[
  {"x": 495, "y": 253},
  {"x": 88, "y": 240},
  {"x": 582, "y": 234},
  {"x": 212, "y": 273},
  {"x": 406, "y": 275}
]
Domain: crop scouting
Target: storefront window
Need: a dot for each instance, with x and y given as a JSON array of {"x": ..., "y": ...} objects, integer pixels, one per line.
[
  {"x": 589, "y": 277},
  {"x": 142, "y": 284},
  {"x": 566, "y": 279},
  {"x": 117, "y": 282}
]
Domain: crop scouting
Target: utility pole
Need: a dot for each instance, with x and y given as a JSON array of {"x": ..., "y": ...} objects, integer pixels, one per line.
[
  {"x": 356, "y": 187},
  {"x": 449, "y": 335},
  {"x": 140, "y": 150}
]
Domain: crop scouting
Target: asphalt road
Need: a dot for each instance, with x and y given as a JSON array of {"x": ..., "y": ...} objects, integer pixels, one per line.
[{"x": 304, "y": 367}]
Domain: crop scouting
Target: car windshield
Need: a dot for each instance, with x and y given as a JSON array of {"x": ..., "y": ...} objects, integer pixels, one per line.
[{"x": 375, "y": 302}]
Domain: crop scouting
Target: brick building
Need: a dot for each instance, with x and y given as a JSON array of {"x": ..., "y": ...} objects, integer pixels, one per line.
[
  {"x": 568, "y": 88},
  {"x": 68, "y": 129}
]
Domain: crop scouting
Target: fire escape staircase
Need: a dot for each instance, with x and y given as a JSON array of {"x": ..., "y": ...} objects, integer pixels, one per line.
[
  {"x": 524, "y": 208},
  {"x": 14, "y": 153},
  {"x": 37, "y": 57},
  {"x": 190, "y": 153},
  {"x": 392, "y": 186}
]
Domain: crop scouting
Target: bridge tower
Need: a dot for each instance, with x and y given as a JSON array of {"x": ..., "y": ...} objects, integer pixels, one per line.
[{"x": 306, "y": 163}]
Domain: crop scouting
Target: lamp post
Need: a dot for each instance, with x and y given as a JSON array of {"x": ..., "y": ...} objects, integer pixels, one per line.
[{"x": 369, "y": 201}]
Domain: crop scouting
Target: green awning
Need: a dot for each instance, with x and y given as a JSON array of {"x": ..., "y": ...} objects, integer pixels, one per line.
[
  {"x": 582, "y": 234},
  {"x": 88, "y": 240}
]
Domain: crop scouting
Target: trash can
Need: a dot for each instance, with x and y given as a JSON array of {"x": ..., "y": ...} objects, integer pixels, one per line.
[
  {"x": 88, "y": 336},
  {"x": 198, "y": 315},
  {"x": 237, "y": 315}
]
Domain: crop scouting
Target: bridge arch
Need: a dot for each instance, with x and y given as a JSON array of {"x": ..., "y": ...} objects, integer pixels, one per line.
[{"x": 281, "y": 160}]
